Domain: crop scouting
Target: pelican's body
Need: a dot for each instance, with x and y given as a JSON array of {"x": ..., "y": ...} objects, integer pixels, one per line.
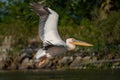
[{"x": 53, "y": 45}]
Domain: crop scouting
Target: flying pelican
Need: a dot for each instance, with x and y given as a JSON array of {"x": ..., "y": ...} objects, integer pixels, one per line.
[{"x": 53, "y": 45}]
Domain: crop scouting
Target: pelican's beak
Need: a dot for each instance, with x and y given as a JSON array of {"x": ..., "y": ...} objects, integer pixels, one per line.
[{"x": 81, "y": 43}]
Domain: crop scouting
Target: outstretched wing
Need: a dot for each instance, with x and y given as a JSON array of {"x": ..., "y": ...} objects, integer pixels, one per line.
[{"x": 48, "y": 25}]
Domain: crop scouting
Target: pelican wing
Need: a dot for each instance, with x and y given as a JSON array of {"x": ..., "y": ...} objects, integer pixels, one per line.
[{"x": 48, "y": 26}]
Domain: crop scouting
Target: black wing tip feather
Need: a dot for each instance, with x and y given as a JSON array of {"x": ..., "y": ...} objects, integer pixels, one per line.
[{"x": 39, "y": 9}]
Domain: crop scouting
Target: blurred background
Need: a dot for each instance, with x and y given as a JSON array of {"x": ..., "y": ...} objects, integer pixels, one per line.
[{"x": 96, "y": 22}]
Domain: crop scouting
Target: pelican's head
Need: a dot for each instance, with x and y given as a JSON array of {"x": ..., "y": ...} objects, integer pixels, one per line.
[{"x": 71, "y": 43}]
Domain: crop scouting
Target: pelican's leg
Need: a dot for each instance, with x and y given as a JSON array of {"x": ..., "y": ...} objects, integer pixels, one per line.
[{"x": 42, "y": 61}]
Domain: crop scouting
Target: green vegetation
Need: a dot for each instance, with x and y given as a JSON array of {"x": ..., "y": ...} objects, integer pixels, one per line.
[{"x": 97, "y": 22}]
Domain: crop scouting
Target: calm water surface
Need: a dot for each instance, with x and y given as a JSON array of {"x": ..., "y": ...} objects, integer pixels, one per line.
[{"x": 61, "y": 75}]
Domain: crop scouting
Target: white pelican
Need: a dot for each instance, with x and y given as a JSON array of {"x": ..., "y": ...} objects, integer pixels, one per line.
[{"x": 53, "y": 45}]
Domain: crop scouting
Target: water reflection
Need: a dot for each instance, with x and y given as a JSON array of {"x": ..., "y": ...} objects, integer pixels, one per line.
[{"x": 61, "y": 75}]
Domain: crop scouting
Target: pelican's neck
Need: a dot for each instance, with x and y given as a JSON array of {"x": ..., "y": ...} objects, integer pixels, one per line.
[{"x": 70, "y": 46}]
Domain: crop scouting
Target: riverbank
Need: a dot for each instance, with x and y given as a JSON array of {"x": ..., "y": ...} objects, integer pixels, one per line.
[
  {"x": 81, "y": 58},
  {"x": 61, "y": 63}
]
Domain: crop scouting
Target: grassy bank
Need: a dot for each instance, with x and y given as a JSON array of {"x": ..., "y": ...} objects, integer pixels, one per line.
[{"x": 104, "y": 34}]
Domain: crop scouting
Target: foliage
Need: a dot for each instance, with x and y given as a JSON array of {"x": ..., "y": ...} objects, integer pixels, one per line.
[{"x": 79, "y": 18}]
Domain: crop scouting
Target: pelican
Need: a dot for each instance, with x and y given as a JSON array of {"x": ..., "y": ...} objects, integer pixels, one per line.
[{"x": 53, "y": 45}]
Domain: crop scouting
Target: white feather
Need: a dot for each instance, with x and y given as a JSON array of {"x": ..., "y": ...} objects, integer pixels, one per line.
[
  {"x": 51, "y": 32},
  {"x": 40, "y": 53}
]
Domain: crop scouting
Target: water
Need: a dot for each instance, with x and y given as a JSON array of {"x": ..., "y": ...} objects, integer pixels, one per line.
[{"x": 61, "y": 75}]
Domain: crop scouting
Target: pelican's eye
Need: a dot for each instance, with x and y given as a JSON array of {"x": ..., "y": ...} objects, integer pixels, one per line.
[{"x": 72, "y": 40}]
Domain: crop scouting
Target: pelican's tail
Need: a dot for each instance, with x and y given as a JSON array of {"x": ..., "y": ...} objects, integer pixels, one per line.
[
  {"x": 39, "y": 9},
  {"x": 40, "y": 54}
]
